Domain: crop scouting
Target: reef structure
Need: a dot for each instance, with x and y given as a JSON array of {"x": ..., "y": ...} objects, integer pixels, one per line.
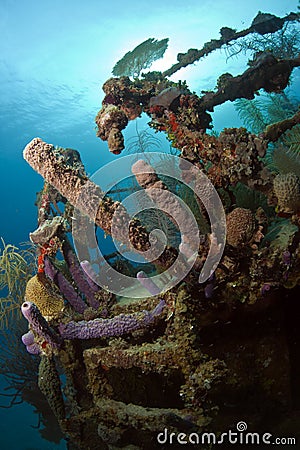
[{"x": 191, "y": 358}]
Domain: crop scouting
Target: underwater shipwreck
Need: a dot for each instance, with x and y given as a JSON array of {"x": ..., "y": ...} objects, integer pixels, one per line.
[{"x": 185, "y": 356}]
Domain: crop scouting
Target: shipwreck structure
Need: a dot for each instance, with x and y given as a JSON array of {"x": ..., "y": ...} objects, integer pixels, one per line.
[{"x": 198, "y": 357}]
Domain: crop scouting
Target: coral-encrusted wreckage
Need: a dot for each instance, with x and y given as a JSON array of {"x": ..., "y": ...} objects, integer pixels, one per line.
[{"x": 197, "y": 357}]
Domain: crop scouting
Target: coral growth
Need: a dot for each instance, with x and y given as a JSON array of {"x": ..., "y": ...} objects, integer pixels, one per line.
[
  {"x": 265, "y": 23},
  {"x": 49, "y": 384},
  {"x": 287, "y": 191},
  {"x": 40, "y": 326},
  {"x": 241, "y": 226},
  {"x": 42, "y": 292},
  {"x": 117, "y": 326},
  {"x": 110, "y": 121},
  {"x": 190, "y": 358},
  {"x": 87, "y": 197}
]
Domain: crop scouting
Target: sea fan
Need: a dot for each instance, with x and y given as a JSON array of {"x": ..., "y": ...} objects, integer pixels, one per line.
[
  {"x": 292, "y": 140},
  {"x": 256, "y": 114},
  {"x": 284, "y": 156},
  {"x": 16, "y": 267},
  {"x": 283, "y": 44},
  {"x": 140, "y": 58},
  {"x": 252, "y": 113},
  {"x": 250, "y": 198},
  {"x": 279, "y": 106},
  {"x": 144, "y": 141},
  {"x": 155, "y": 219},
  {"x": 281, "y": 160},
  {"x": 280, "y": 233}
]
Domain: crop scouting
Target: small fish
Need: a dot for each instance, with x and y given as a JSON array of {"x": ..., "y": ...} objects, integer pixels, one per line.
[{"x": 165, "y": 97}]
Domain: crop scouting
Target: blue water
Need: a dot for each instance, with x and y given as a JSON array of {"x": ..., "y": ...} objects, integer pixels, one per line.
[
  {"x": 17, "y": 432},
  {"x": 54, "y": 59}
]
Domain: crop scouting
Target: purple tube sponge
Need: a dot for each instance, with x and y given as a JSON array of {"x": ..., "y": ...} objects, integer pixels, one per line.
[
  {"x": 31, "y": 346},
  {"x": 147, "y": 283},
  {"x": 265, "y": 288},
  {"x": 64, "y": 286},
  {"x": 286, "y": 258},
  {"x": 116, "y": 326},
  {"x": 210, "y": 285},
  {"x": 78, "y": 275},
  {"x": 40, "y": 325},
  {"x": 28, "y": 338},
  {"x": 33, "y": 349},
  {"x": 90, "y": 275}
]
